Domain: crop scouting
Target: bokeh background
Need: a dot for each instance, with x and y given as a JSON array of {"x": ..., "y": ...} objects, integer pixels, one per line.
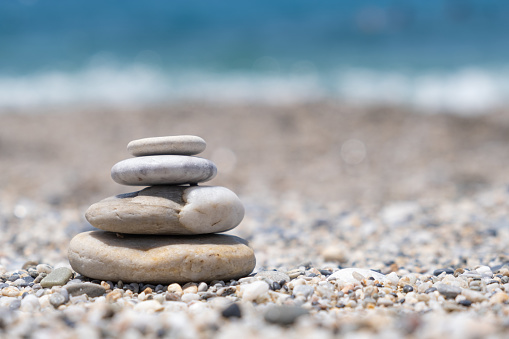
[{"x": 363, "y": 101}]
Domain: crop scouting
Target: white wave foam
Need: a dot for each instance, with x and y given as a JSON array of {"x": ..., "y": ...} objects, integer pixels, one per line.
[{"x": 466, "y": 91}]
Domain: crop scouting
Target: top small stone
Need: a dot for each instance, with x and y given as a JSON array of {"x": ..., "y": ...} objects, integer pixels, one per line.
[{"x": 171, "y": 145}]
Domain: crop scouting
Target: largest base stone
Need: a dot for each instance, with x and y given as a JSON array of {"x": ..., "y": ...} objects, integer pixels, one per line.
[{"x": 160, "y": 259}]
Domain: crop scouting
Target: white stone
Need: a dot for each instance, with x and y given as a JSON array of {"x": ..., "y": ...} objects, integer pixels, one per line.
[
  {"x": 254, "y": 290},
  {"x": 169, "y": 210},
  {"x": 148, "y": 306},
  {"x": 303, "y": 290},
  {"x": 188, "y": 297},
  {"x": 44, "y": 301},
  {"x": 345, "y": 275},
  {"x": 178, "y": 145},
  {"x": 163, "y": 170},
  {"x": 473, "y": 295},
  {"x": 160, "y": 259},
  {"x": 485, "y": 271},
  {"x": 392, "y": 278},
  {"x": 30, "y": 303}
]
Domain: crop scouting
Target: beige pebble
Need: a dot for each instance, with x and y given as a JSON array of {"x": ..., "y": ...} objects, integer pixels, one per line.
[
  {"x": 334, "y": 253},
  {"x": 114, "y": 295},
  {"x": 499, "y": 298},
  {"x": 10, "y": 291},
  {"x": 175, "y": 288},
  {"x": 44, "y": 301},
  {"x": 190, "y": 288},
  {"x": 473, "y": 296},
  {"x": 188, "y": 297}
]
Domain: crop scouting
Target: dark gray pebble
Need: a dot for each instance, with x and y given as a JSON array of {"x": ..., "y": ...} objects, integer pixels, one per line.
[
  {"x": 28, "y": 279},
  {"x": 407, "y": 288},
  {"x": 465, "y": 302},
  {"x": 14, "y": 277},
  {"x": 4, "y": 285},
  {"x": 92, "y": 290},
  {"x": 136, "y": 287},
  {"x": 21, "y": 283},
  {"x": 442, "y": 270},
  {"x": 284, "y": 315},
  {"x": 275, "y": 286},
  {"x": 232, "y": 311},
  {"x": 448, "y": 291},
  {"x": 325, "y": 272},
  {"x": 430, "y": 290}
]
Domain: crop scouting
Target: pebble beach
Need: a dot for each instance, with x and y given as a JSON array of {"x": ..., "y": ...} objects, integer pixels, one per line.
[{"x": 366, "y": 222}]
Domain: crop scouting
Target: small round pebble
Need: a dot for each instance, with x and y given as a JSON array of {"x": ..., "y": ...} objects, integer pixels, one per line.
[
  {"x": 56, "y": 299},
  {"x": 465, "y": 302},
  {"x": 407, "y": 288},
  {"x": 232, "y": 311}
]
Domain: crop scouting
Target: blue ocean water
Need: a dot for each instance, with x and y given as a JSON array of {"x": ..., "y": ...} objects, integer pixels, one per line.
[{"x": 438, "y": 55}]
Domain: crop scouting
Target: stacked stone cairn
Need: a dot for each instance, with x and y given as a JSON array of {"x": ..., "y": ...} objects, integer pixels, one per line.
[{"x": 165, "y": 233}]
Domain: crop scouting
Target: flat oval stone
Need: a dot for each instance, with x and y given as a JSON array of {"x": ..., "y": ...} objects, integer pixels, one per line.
[
  {"x": 160, "y": 259},
  {"x": 170, "y": 145},
  {"x": 169, "y": 210},
  {"x": 163, "y": 170}
]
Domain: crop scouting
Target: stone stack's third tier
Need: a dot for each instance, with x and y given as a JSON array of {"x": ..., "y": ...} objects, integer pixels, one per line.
[{"x": 164, "y": 233}]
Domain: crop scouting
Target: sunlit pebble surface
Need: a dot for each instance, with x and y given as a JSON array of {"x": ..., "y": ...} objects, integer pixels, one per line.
[{"x": 409, "y": 242}]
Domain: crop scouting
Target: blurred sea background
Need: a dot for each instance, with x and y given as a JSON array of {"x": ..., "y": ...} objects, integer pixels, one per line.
[{"x": 433, "y": 56}]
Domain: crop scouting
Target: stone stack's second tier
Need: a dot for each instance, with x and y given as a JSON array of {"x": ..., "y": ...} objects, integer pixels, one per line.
[{"x": 149, "y": 242}]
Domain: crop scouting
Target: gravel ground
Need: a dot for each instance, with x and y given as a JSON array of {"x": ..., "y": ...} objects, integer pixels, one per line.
[{"x": 420, "y": 199}]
